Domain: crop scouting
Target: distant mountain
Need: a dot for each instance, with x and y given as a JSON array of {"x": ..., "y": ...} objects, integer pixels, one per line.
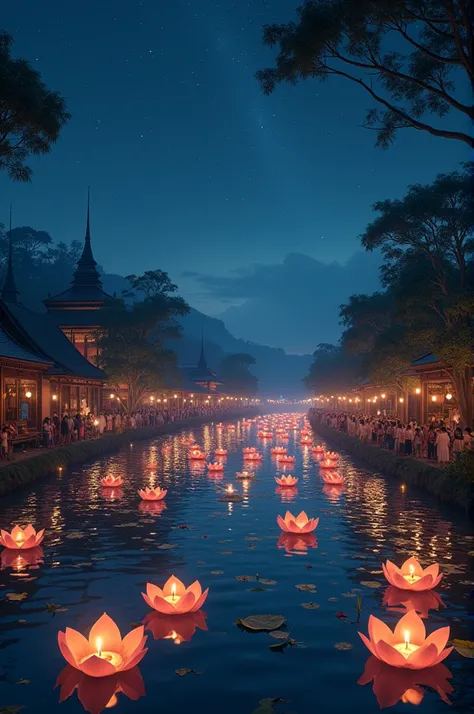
[{"x": 279, "y": 374}]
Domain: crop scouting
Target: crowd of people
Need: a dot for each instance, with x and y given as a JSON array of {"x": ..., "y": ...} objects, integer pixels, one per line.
[
  {"x": 437, "y": 441},
  {"x": 59, "y": 430}
]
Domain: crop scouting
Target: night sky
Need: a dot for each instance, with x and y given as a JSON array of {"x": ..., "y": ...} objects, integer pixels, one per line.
[{"x": 191, "y": 168}]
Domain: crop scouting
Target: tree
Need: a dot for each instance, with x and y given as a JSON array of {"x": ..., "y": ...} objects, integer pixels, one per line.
[
  {"x": 31, "y": 115},
  {"x": 428, "y": 74},
  {"x": 236, "y": 374},
  {"x": 332, "y": 371},
  {"x": 131, "y": 336}
]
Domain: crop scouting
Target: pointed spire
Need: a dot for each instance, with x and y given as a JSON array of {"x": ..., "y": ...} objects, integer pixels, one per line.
[
  {"x": 9, "y": 291},
  {"x": 86, "y": 274}
]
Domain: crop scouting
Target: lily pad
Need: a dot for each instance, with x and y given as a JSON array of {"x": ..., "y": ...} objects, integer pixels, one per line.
[
  {"x": 279, "y": 635},
  {"x": 343, "y": 646},
  {"x": 261, "y": 623},
  {"x": 306, "y": 587},
  {"x": 245, "y": 578},
  {"x": 310, "y": 605},
  {"x": 265, "y": 581},
  {"x": 371, "y": 584},
  {"x": 464, "y": 647},
  {"x": 51, "y": 607},
  {"x": 16, "y": 597},
  {"x": 73, "y": 536},
  {"x": 265, "y": 706}
]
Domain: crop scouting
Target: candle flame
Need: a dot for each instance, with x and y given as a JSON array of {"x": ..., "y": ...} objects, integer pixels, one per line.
[
  {"x": 19, "y": 537},
  {"x": 412, "y": 570},
  {"x": 230, "y": 489},
  {"x": 407, "y": 639},
  {"x": 173, "y": 591},
  {"x": 99, "y": 646}
]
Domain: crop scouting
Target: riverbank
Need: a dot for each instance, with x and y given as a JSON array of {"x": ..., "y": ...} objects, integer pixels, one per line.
[
  {"x": 16, "y": 475},
  {"x": 414, "y": 472}
]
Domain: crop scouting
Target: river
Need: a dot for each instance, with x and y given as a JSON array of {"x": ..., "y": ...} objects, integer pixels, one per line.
[{"x": 102, "y": 546}]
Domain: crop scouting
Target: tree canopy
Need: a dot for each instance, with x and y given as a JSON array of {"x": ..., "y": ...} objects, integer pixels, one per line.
[
  {"x": 132, "y": 336},
  {"x": 236, "y": 375},
  {"x": 413, "y": 58},
  {"x": 31, "y": 115},
  {"x": 332, "y": 371}
]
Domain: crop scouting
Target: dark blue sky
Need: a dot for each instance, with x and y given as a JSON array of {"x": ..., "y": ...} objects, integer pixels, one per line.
[{"x": 191, "y": 168}]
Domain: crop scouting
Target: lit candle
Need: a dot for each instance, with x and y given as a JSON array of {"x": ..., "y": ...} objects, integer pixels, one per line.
[
  {"x": 173, "y": 598},
  {"x": 406, "y": 648},
  {"x": 19, "y": 538},
  {"x": 230, "y": 489},
  {"x": 173, "y": 635},
  {"x": 113, "y": 657},
  {"x": 412, "y": 578}
]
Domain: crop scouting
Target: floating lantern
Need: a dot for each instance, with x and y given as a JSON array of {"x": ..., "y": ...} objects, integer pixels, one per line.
[
  {"x": 215, "y": 466},
  {"x": 177, "y": 628},
  {"x": 230, "y": 427},
  {"x": 175, "y": 598},
  {"x": 21, "y": 539},
  {"x": 392, "y": 685},
  {"x": 297, "y": 524},
  {"x": 297, "y": 544},
  {"x": 306, "y": 441},
  {"x": 252, "y": 456},
  {"x": 328, "y": 464},
  {"x": 152, "y": 494},
  {"x": 231, "y": 495},
  {"x": 197, "y": 455},
  {"x": 104, "y": 653},
  {"x": 249, "y": 449},
  {"x": 165, "y": 450},
  {"x": 97, "y": 695},
  {"x": 279, "y": 450},
  {"x": 333, "y": 478},
  {"x": 285, "y": 459},
  {"x": 331, "y": 456},
  {"x": 411, "y": 576},
  {"x": 407, "y": 646},
  {"x": 220, "y": 425},
  {"x": 245, "y": 474},
  {"x": 221, "y": 452},
  {"x": 318, "y": 449},
  {"x": 110, "y": 481},
  {"x": 422, "y": 602},
  {"x": 286, "y": 481}
]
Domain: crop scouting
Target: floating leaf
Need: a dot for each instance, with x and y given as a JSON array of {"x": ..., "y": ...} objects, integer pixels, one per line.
[
  {"x": 343, "y": 646},
  {"x": 464, "y": 647},
  {"x": 371, "y": 584},
  {"x": 184, "y": 671},
  {"x": 166, "y": 546},
  {"x": 306, "y": 587},
  {"x": 310, "y": 605},
  {"x": 349, "y": 595},
  {"x": 23, "y": 681},
  {"x": 265, "y": 581},
  {"x": 265, "y": 706},
  {"x": 341, "y": 615},
  {"x": 253, "y": 538},
  {"x": 279, "y": 635},
  {"x": 11, "y": 709},
  {"x": 261, "y": 623},
  {"x": 257, "y": 590},
  {"x": 226, "y": 552},
  {"x": 73, "y": 535},
  {"x": 245, "y": 578},
  {"x": 133, "y": 625},
  {"x": 51, "y": 607},
  {"x": 332, "y": 599},
  {"x": 217, "y": 572},
  {"x": 16, "y": 597}
]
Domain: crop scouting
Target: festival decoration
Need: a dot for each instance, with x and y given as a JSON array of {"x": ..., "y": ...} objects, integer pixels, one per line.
[
  {"x": 411, "y": 576},
  {"x": 111, "y": 481},
  {"x": 175, "y": 598},
  {"x": 297, "y": 524},
  {"x": 333, "y": 478},
  {"x": 286, "y": 481},
  {"x": 152, "y": 494},
  {"x": 21, "y": 539}
]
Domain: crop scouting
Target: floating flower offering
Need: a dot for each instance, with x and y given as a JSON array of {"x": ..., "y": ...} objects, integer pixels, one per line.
[
  {"x": 215, "y": 466},
  {"x": 252, "y": 456},
  {"x": 231, "y": 427},
  {"x": 279, "y": 450},
  {"x": 231, "y": 495},
  {"x": 333, "y": 478},
  {"x": 221, "y": 452},
  {"x": 286, "y": 481},
  {"x": 407, "y": 646},
  {"x": 21, "y": 539},
  {"x": 249, "y": 450},
  {"x": 197, "y": 455},
  {"x": 306, "y": 441},
  {"x": 411, "y": 576},
  {"x": 245, "y": 474},
  {"x": 285, "y": 459},
  {"x": 152, "y": 494},
  {"x": 328, "y": 464},
  {"x": 331, "y": 456},
  {"x": 111, "y": 481},
  {"x": 175, "y": 598},
  {"x": 104, "y": 653},
  {"x": 297, "y": 524},
  {"x": 318, "y": 449}
]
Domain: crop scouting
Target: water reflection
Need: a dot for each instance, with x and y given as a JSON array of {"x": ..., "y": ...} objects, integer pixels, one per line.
[
  {"x": 392, "y": 685},
  {"x": 333, "y": 493},
  {"x": 297, "y": 544},
  {"x": 178, "y": 628},
  {"x": 97, "y": 694},
  {"x": 287, "y": 494},
  {"x": 154, "y": 508},
  {"x": 20, "y": 561},
  {"x": 112, "y": 494},
  {"x": 408, "y": 600}
]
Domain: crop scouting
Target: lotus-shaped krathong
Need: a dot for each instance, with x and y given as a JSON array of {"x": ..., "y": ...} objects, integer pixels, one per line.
[
  {"x": 221, "y": 452},
  {"x": 175, "y": 598},
  {"x": 305, "y": 441},
  {"x": 405, "y": 600},
  {"x": 333, "y": 478},
  {"x": 287, "y": 481},
  {"x": 407, "y": 646},
  {"x": 249, "y": 449},
  {"x": 245, "y": 474},
  {"x": 220, "y": 425},
  {"x": 111, "y": 481},
  {"x": 95, "y": 694},
  {"x": 279, "y": 450},
  {"x": 178, "y": 628},
  {"x": 252, "y": 456},
  {"x": 318, "y": 449},
  {"x": 215, "y": 466},
  {"x": 411, "y": 576},
  {"x": 295, "y": 544},
  {"x": 392, "y": 685},
  {"x": 231, "y": 427},
  {"x": 328, "y": 464},
  {"x": 197, "y": 455},
  {"x": 285, "y": 459},
  {"x": 152, "y": 494},
  {"x": 20, "y": 560},
  {"x": 297, "y": 524},
  {"x": 21, "y": 538},
  {"x": 104, "y": 653},
  {"x": 331, "y": 456}
]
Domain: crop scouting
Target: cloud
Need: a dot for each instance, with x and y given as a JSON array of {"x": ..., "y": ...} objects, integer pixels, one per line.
[{"x": 293, "y": 304}]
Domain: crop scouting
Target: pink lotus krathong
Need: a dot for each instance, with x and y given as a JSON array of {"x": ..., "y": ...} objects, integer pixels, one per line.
[
  {"x": 297, "y": 524},
  {"x": 21, "y": 538},
  {"x": 152, "y": 494},
  {"x": 175, "y": 598},
  {"x": 411, "y": 576}
]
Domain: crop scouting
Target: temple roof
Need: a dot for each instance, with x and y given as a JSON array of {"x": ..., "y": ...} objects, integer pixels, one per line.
[
  {"x": 86, "y": 286},
  {"x": 12, "y": 350},
  {"x": 201, "y": 373}
]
